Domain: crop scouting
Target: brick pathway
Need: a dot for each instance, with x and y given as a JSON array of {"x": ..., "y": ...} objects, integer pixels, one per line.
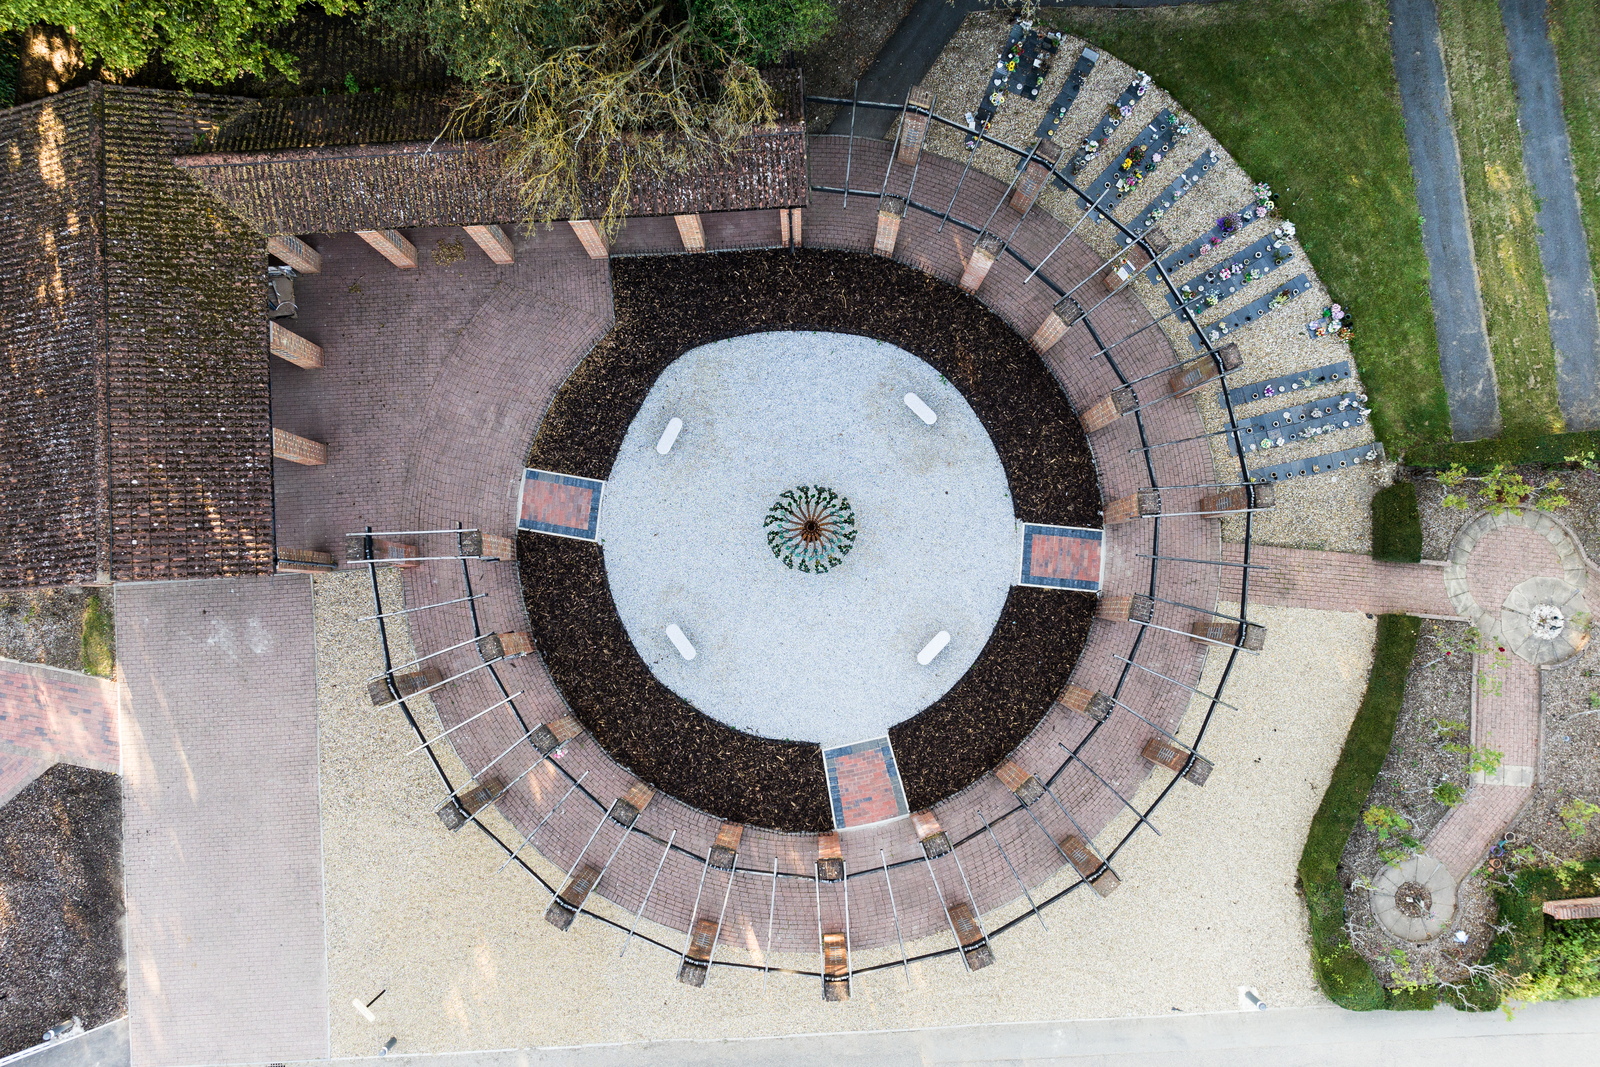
[
  {"x": 222, "y": 843},
  {"x": 53, "y": 716},
  {"x": 462, "y": 472},
  {"x": 1506, "y": 721},
  {"x": 1338, "y": 581}
]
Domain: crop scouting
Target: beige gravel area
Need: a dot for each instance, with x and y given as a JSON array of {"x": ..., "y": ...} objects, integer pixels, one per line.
[
  {"x": 1329, "y": 511},
  {"x": 465, "y": 961}
]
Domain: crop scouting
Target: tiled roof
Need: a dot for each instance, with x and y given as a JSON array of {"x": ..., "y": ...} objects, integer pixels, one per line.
[
  {"x": 135, "y": 429},
  {"x": 334, "y": 165}
]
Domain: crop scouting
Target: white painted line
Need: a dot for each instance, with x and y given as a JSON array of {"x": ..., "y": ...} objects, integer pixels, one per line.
[
  {"x": 685, "y": 649},
  {"x": 924, "y": 412},
  {"x": 933, "y": 648},
  {"x": 669, "y": 436}
]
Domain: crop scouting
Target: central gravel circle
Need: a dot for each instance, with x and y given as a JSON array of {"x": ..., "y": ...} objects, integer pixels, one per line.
[
  {"x": 1413, "y": 900},
  {"x": 829, "y": 655}
]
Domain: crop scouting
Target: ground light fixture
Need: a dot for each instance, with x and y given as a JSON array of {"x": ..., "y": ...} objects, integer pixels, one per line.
[
  {"x": 923, "y": 411},
  {"x": 933, "y": 648}
]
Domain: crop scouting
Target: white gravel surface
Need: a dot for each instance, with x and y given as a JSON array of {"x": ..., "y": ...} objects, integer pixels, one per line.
[
  {"x": 464, "y": 960},
  {"x": 827, "y": 657}
]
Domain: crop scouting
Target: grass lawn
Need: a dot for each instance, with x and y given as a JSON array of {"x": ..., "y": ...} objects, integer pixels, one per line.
[
  {"x": 1575, "y": 29},
  {"x": 1304, "y": 96},
  {"x": 1500, "y": 203}
]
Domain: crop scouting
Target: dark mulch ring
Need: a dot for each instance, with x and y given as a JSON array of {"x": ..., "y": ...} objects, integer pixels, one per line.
[
  {"x": 666, "y": 306},
  {"x": 60, "y": 905}
]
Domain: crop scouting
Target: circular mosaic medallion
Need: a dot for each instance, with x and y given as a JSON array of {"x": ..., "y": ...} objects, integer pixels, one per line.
[{"x": 810, "y": 528}]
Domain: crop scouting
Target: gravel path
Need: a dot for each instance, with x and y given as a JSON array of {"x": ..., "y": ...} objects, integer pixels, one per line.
[
  {"x": 463, "y": 961},
  {"x": 1563, "y": 247},
  {"x": 1464, "y": 358}
]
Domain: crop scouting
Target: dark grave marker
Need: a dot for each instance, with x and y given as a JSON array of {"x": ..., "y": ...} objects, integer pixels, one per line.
[
  {"x": 1243, "y": 267},
  {"x": 1140, "y": 158},
  {"x": 1176, "y": 190},
  {"x": 1333, "y": 461},
  {"x": 1280, "y": 426},
  {"x": 1224, "y": 228},
  {"x": 1256, "y": 309},
  {"x": 1121, "y": 109},
  {"x": 1289, "y": 383},
  {"x": 1057, "y": 115},
  {"x": 1020, "y": 67}
]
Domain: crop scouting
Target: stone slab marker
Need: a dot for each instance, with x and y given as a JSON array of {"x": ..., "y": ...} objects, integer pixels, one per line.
[
  {"x": 1095, "y": 705},
  {"x": 289, "y": 345},
  {"x": 783, "y": 226},
  {"x": 494, "y": 242},
  {"x": 304, "y": 561},
  {"x": 984, "y": 253},
  {"x": 296, "y": 253},
  {"x": 297, "y": 449},
  {"x": 915, "y": 128},
  {"x": 692, "y": 233},
  {"x": 1107, "y": 409},
  {"x": 1034, "y": 176},
  {"x": 1086, "y": 862},
  {"x": 391, "y": 245},
  {"x": 889, "y": 216},
  {"x": 1126, "y": 607},
  {"x": 590, "y": 237}
]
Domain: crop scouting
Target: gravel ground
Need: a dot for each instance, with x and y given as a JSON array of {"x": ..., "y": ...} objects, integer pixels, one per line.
[
  {"x": 61, "y": 905},
  {"x": 1435, "y": 711},
  {"x": 44, "y": 626},
  {"x": 933, "y": 547},
  {"x": 1569, "y": 762},
  {"x": 1329, "y": 511},
  {"x": 464, "y": 963}
]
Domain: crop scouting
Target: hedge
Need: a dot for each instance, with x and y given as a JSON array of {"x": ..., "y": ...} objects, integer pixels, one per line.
[
  {"x": 1344, "y": 975},
  {"x": 1396, "y": 524}
]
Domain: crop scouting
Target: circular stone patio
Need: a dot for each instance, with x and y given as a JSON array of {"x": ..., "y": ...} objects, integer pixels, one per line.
[{"x": 827, "y": 654}]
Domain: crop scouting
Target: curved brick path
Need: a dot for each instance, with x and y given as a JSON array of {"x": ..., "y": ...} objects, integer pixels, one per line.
[{"x": 472, "y": 437}]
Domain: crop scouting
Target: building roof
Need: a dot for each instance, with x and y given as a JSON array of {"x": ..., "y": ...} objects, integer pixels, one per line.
[
  {"x": 135, "y": 427},
  {"x": 291, "y": 166}
]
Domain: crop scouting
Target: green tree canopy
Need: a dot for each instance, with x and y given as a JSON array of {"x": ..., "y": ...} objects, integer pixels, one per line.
[
  {"x": 201, "y": 41},
  {"x": 593, "y": 93}
]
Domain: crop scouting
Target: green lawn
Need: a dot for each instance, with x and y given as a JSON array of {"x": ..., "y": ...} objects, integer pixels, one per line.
[
  {"x": 1500, "y": 204},
  {"x": 1304, "y": 97},
  {"x": 1575, "y": 29}
]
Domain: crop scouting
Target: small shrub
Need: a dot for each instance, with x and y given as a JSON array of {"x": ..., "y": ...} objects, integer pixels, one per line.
[
  {"x": 1396, "y": 524},
  {"x": 1576, "y": 814},
  {"x": 1449, "y": 794}
]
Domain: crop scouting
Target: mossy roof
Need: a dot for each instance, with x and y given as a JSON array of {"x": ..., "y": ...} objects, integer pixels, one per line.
[{"x": 134, "y": 421}]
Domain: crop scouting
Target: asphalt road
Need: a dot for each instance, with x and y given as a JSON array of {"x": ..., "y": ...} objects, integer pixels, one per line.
[
  {"x": 1464, "y": 356},
  {"x": 1563, "y": 248}
]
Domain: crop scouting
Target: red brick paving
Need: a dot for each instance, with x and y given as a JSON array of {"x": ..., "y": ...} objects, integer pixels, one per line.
[
  {"x": 557, "y": 504},
  {"x": 1073, "y": 558},
  {"x": 866, "y": 792},
  {"x": 1505, "y": 557},
  {"x": 17, "y": 773},
  {"x": 1338, "y": 581},
  {"x": 58, "y": 716}
]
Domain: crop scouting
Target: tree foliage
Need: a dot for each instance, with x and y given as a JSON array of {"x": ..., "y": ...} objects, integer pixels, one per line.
[
  {"x": 589, "y": 94},
  {"x": 201, "y": 41}
]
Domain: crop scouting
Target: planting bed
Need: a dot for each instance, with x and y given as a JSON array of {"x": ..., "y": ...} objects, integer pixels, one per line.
[
  {"x": 666, "y": 306},
  {"x": 1438, "y": 696}
]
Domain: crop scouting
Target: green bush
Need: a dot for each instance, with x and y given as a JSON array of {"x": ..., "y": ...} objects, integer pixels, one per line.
[
  {"x": 1548, "y": 959},
  {"x": 1510, "y": 449},
  {"x": 1396, "y": 524},
  {"x": 1344, "y": 975}
]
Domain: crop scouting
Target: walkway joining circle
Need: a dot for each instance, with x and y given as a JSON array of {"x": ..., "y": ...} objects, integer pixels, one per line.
[
  {"x": 1519, "y": 578},
  {"x": 787, "y": 645}
]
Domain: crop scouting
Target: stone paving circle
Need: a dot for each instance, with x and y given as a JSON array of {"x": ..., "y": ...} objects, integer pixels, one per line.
[
  {"x": 1542, "y": 543},
  {"x": 1439, "y": 892},
  {"x": 829, "y": 657}
]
